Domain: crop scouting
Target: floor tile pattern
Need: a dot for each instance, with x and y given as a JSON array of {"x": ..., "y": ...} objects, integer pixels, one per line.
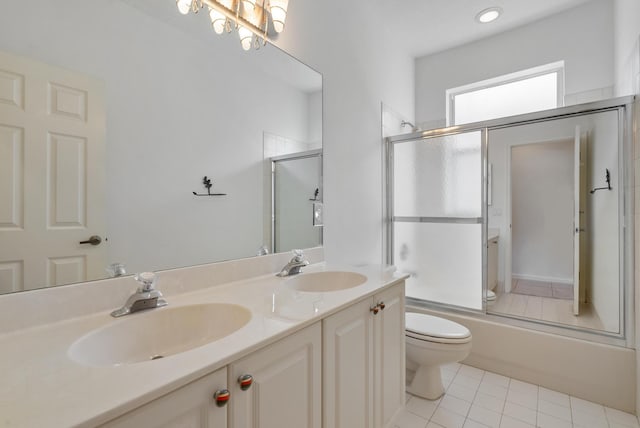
[{"x": 476, "y": 398}]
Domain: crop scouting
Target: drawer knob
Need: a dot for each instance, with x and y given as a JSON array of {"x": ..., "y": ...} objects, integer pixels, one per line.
[
  {"x": 222, "y": 397},
  {"x": 382, "y": 306},
  {"x": 375, "y": 309},
  {"x": 245, "y": 381}
]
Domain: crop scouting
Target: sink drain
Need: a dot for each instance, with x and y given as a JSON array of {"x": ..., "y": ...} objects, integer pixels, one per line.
[{"x": 156, "y": 357}]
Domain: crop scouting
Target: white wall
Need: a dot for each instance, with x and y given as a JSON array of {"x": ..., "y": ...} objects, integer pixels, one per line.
[
  {"x": 542, "y": 211},
  {"x": 582, "y": 37},
  {"x": 627, "y": 47},
  {"x": 361, "y": 69},
  {"x": 178, "y": 108}
]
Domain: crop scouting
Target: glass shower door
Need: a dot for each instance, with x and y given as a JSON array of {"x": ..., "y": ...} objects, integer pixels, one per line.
[{"x": 437, "y": 214}]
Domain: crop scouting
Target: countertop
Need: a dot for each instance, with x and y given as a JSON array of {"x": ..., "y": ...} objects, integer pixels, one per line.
[{"x": 43, "y": 387}]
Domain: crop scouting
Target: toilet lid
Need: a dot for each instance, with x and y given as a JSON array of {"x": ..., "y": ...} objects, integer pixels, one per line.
[{"x": 427, "y": 327}]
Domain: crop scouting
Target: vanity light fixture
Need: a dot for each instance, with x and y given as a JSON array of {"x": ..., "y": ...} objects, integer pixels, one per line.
[
  {"x": 488, "y": 15},
  {"x": 254, "y": 19}
]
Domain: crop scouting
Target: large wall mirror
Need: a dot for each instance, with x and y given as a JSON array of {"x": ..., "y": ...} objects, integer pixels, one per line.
[{"x": 112, "y": 114}]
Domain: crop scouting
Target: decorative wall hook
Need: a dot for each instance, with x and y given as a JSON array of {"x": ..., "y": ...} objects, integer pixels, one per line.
[
  {"x": 208, "y": 185},
  {"x": 608, "y": 179},
  {"x": 315, "y": 195}
]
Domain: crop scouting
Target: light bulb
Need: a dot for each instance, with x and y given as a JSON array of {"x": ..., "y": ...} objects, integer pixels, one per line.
[
  {"x": 184, "y": 6},
  {"x": 218, "y": 21},
  {"x": 279, "y": 14},
  {"x": 246, "y": 37}
]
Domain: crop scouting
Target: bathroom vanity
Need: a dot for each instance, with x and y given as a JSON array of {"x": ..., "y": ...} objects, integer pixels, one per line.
[{"x": 301, "y": 352}]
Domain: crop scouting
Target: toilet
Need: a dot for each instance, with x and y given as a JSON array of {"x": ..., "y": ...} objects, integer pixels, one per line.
[{"x": 430, "y": 343}]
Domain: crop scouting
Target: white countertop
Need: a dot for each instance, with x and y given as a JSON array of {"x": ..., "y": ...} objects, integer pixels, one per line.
[{"x": 42, "y": 387}]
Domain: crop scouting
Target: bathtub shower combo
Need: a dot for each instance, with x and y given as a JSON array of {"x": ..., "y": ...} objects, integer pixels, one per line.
[{"x": 526, "y": 220}]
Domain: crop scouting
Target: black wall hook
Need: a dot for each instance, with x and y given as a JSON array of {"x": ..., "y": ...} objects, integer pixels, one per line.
[
  {"x": 608, "y": 178},
  {"x": 208, "y": 185},
  {"x": 315, "y": 195}
]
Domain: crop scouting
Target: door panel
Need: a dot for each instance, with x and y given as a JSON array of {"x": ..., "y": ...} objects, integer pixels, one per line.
[{"x": 52, "y": 131}]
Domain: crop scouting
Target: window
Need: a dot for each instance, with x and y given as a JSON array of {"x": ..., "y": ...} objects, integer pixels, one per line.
[{"x": 535, "y": 89}]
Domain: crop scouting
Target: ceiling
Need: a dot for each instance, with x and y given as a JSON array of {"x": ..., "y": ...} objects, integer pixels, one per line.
[{"x": 424, "y": 27}]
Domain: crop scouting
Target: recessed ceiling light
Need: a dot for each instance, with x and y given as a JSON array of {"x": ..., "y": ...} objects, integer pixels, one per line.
[{"x": 488, "y": 15}]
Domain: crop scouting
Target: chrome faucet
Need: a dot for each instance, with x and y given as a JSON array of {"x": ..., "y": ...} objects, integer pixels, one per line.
[
  {"x": 146, "y": 297},
  {"x": 295, "y": 264}
]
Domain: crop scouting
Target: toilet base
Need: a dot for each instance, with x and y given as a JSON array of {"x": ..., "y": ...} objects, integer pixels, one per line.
[{"x": 427, "y": 383}]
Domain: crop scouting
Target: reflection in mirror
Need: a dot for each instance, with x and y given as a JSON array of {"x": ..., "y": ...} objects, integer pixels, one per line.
[
  {"x": 554, "y": 243},
  {"x": 296, "y": 196},
  {"x": 111, "y": 114}
]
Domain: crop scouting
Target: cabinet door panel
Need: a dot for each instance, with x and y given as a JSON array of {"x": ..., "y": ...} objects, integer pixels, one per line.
[
  {"x": 348, "y": 368},
  {"x": 191, "y": 406},
  {"x": 286, "y": 384},
  {"x": 390, "y": 354}
]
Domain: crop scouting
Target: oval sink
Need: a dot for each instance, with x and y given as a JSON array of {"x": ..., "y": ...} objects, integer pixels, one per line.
[
  {"x": 158, "y": 333},
  {"x": 320, "y": 282}
]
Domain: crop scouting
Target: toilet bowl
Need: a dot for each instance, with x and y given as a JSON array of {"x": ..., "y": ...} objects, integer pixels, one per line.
[{"x": 430, "y": 343}]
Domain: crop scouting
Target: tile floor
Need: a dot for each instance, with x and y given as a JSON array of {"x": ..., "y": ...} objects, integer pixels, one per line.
[
  {"x": 542, "y": 289},
  {"x": 547, "y": 309},
  {"x": 477, "y": 399}
]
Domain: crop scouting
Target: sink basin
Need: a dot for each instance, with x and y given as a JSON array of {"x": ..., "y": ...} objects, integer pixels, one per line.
[
  {"x": 158, "y": 333},
  {"x": 320, "y": 282}
]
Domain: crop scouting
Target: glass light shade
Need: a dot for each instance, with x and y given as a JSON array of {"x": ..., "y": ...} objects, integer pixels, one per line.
[
  {"x": 246, "y": 37},
  {"x": 184, "y": 6},
  {"x": 217, "y": 21},
  {"x": 279, "y": 13},
  {"x": 249, "y": 5}
]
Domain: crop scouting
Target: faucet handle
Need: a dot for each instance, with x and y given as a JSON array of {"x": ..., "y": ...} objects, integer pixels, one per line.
[
  {"x": 147, "y": 281},
  {"x": 298, "y": 255}
]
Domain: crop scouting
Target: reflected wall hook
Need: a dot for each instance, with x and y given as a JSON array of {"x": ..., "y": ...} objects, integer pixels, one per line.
[
  {"x": 315, "y": 195},
  {"x": 207, "y": 184},
  {"x": 608, "y": 178}
]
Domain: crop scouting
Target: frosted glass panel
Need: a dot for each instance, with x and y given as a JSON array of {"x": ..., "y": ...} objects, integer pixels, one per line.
[
  {"x": 444, "y": 260},
  {"x": 438, "y": 177}
]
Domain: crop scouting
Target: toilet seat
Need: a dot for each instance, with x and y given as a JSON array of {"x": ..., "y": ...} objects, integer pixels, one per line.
[{"x": 434, "y": 329}]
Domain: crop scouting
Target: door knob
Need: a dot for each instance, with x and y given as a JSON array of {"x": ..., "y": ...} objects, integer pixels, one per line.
[{"x": 94, "y": 240}]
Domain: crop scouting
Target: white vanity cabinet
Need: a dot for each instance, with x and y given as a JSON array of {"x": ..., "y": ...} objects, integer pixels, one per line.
[
  {"x": 286, "y": 384},
  {"x": 346, "y": 371},
  {"x": 191, "y": 406},
  {"x": 363, "y": 362}
]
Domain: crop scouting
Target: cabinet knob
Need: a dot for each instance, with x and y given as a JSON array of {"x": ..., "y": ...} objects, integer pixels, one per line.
[
  {"x": 382, "y": 306},
  {"x": 245, "y": 381},
  {"x": 375, "y": 309},
  {"x": 222, "y": 397}
]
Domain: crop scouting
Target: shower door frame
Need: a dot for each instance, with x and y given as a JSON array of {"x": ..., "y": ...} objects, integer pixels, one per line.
[
  {"x": 391, "y": 219},
  {"x": 625, "y": 105}
]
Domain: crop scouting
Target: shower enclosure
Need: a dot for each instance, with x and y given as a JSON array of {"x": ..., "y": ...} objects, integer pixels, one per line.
[{"x": 551, "y": 192}]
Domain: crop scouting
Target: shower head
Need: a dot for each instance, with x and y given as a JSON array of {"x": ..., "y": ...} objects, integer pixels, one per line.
[{"x": 405, "y": 123}]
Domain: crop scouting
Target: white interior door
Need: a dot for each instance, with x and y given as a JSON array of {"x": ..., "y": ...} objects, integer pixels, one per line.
[{"x": 52, "y": 128}]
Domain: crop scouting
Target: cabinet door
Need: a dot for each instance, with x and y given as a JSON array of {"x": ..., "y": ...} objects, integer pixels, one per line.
[
  {"x": 191, "y": 406},
  {"x": 348, "y": 367},
  {"x": 286, "y": 384},
  {"x": 389, "y": 355}
]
